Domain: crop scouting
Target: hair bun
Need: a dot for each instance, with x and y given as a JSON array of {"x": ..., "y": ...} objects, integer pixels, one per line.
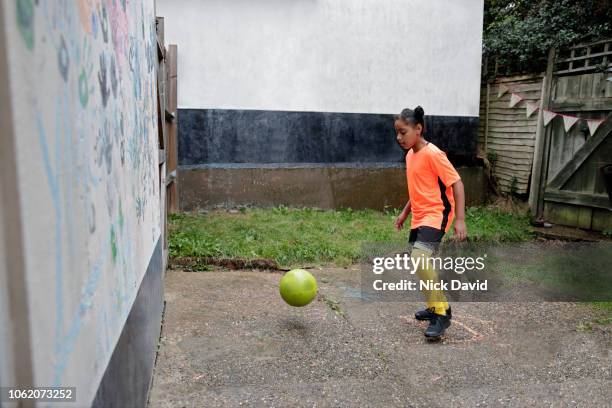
[{"x": 419, "y": 113}]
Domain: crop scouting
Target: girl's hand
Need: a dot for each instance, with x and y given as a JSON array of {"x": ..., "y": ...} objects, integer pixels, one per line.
[
  {"x": 399, "y": 221},
  {"x": 460, "y": 230}
]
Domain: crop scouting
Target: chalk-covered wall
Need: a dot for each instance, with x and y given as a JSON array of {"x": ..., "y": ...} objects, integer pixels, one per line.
[{"x": 82, "y": 82}]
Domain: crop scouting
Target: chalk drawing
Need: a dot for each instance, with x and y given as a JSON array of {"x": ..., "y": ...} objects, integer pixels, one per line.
[
  {"x": 85, "y": 13},
  {"x": 25, "y": 19},
  {"x": 113, "y": 244},
  {"x": 103, "y": 21},
  {"x": 113, "y": 76},
  {"x": 104, "y": 88},
  {"x": 63, "y": 59},
  {"x": 85, "y": 88}
]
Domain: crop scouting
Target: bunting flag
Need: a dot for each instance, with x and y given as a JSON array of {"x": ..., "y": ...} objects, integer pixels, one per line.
[
  {"x": 502, "y": 90},
  {"x": 514, "y": 99},
  {"x": 594, "y": 124},
  {"x": 569, "y": 121},
  {"x": 531, "y": 107},
  {"x": 548, "y": 116}
]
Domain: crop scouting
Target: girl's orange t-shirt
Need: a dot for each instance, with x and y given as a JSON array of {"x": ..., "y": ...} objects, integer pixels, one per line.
[{"x": 430, "y": 176}]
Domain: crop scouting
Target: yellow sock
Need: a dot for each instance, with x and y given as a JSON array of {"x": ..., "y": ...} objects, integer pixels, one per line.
[{"x": 426, "y": 272}]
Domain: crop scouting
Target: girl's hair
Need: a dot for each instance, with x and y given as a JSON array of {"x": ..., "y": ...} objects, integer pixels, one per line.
[{"x": 413, "y": 117}]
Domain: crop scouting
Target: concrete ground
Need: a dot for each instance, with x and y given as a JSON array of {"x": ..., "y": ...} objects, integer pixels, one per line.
[{"x": 229, "y": 340}]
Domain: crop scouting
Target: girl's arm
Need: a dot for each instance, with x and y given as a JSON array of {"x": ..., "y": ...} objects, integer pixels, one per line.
[
  {"x": 459, "y": 194},
  {"x": 399, "y": 221}
]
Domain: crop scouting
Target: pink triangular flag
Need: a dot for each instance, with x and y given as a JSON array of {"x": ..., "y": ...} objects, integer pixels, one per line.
[
  {"x": 548, "y": 116},
  {"x": 569, "y": 121},
  {"x": 514, "y": 99},
  {"x": 594, "y": 124},
  {"x": 531, "y": 107},
  {"x": 502, "y": 90}
]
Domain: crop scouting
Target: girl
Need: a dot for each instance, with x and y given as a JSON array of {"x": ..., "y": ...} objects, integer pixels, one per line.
[{"x": 436, "y": 196}]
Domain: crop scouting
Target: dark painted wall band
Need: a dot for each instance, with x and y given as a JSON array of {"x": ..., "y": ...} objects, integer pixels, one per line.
[
  {"x": 127, "y": 378},
  {"x": 261, "y": 136}
]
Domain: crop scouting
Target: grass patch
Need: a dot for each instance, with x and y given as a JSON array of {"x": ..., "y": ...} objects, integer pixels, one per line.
[
  {"x": 605, "y": 320},
  {"x": 333, "y": 305},
  {"x": 605, "y": 306},
  {"x": 295, "y": 237}
]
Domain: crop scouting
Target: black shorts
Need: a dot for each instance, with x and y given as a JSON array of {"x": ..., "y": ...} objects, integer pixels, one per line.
[{"x": 426, "y": 237}]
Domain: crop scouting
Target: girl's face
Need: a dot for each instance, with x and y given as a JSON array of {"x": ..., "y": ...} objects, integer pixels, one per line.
[{"x": 407, "y": 134}]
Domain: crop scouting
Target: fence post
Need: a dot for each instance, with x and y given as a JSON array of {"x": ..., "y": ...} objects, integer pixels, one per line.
[
  {"x": 486, "y": 135},
  {"x": 538, "y": 177},
  {"x": 171, "y": 120}
]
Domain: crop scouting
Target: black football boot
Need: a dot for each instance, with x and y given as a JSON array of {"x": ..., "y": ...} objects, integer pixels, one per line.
[
  {"x": 437, "y": 326},
  {"x": 429, "y": 313}
]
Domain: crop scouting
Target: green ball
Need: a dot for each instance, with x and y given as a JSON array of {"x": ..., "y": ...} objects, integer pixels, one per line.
[{"x": 298, "y": 287}]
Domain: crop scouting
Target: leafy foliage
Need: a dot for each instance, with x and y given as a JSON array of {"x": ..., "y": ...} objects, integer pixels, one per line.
[{"x": 520, "y": 33}]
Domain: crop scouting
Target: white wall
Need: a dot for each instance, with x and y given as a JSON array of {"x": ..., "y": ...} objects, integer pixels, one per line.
[
  {"x": 367, "y": 56},
  {"x": 84, "y": 124}
]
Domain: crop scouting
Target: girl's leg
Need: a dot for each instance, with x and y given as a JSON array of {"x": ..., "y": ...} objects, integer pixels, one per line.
[
  {"x": 426, "y": 272},
  {"x": 424, "y": 241}
]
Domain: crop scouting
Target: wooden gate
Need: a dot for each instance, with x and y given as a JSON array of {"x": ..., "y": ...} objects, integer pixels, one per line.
[{"x": 569, "y": 186}]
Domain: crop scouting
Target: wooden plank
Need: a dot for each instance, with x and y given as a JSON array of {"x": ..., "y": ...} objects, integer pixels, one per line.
[
  {"x": 506, "y": 141},
  {"x": 509, "y": 174},
  {"x": 576, "y": 198},
  {"x": 591, "y": 44},
  {"x": 519, "y": 118},
  {"x": 173, "y": 187},
  {"x": 507, "y": 112},
  {"x": 573, "y": 87},
  {"x": 575, "y": 70},
  {"x": 515, "y": 155},
  {"x": 581, "y": 155},
  {"x": 519, "y": 78},
  {"x": 506, "y": 164},
  {"x": 504, "y": 104},
  {"x": 598, "y": 85},
  {"x": 522, "y": 121},
  {"x": 539, "y": 162},
  {"x": 561, "y": 214},
  {"x": 523, "y": 166},
  {"x": 171, "y": 177},
  {"x": 584, "y": 217},
  {"x": 581, "y": 105},
  {"x": 159, "y": 28},
  {"x": 601, "y": 220},
  {"x": 510, "y": 148},
  {"x": 507, "y": 180},
  {"x": 560, "y": 87},
  {"x": 521, "y": 132},
  {"x": 486, "y": 132},
  {"x": 586, "y": 86},
  {"x": 520, "y": 163},
  {"x": 583, "y": 57},
  {"x": 509, "y": 183}
]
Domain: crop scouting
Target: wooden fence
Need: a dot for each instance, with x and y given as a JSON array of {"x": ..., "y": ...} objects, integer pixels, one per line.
[
  {"x": 561, "y": 171},
  {"x": 507, "y": 133},
  {"x": 167, "y": 129},
  {"x": 568, "y": 183}
]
